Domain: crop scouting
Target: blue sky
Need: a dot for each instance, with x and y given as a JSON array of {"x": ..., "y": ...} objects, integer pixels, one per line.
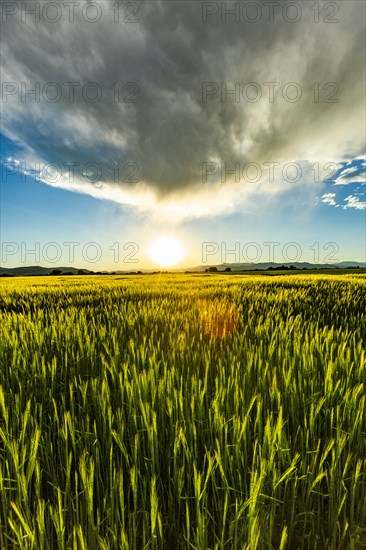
[{"x": 37, "y": 214}]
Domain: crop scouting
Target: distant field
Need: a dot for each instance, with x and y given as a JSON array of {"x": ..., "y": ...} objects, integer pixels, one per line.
[{"x": 183, "y": 412}]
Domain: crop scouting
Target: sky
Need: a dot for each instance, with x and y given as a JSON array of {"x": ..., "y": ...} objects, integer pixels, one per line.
[{"x": 235, "y": 128}]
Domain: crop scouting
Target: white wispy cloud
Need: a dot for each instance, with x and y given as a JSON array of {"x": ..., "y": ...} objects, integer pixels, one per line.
[
  {"x": 354, "y": 202},
  {"x": 328, "y": 198},
  {"x": 353, "y": 174}
]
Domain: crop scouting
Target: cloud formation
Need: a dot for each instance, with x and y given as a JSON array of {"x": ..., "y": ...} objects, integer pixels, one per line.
[
  {"x": 354, "y": 202},
  {"x": 352, "y": 174},
  {"x": 328, "y": 198},
  {"x": 351, "y": 201},
  {"x": 163, "y": 111}
]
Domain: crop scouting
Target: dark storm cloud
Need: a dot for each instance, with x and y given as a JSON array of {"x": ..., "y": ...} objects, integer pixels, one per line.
[{"x": 160, "y": 123}]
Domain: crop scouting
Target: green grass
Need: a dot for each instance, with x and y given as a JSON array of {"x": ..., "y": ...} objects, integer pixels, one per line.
[{"x": 187, "y": 412}]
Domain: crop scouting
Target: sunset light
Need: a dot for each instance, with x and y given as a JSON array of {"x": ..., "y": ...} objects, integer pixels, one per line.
[{"x": 166, "y": 252}]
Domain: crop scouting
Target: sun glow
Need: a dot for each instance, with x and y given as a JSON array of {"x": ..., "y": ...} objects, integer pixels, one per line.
[{"x": 166, "y": 252}]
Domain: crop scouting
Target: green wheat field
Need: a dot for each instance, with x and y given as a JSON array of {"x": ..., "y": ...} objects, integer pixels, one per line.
[{"x": 176, "y": 412}]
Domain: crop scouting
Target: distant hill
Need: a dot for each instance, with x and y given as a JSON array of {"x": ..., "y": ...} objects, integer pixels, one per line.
[
  {"x": 234, "y": 267},
  {"x": 351, "y": 264},
  {"x": 36, "y": 270},
  {"x": 275, "y": 265}
]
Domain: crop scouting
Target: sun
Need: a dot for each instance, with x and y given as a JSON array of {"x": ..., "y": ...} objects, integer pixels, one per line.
[{"x": 166, "y": 251}]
